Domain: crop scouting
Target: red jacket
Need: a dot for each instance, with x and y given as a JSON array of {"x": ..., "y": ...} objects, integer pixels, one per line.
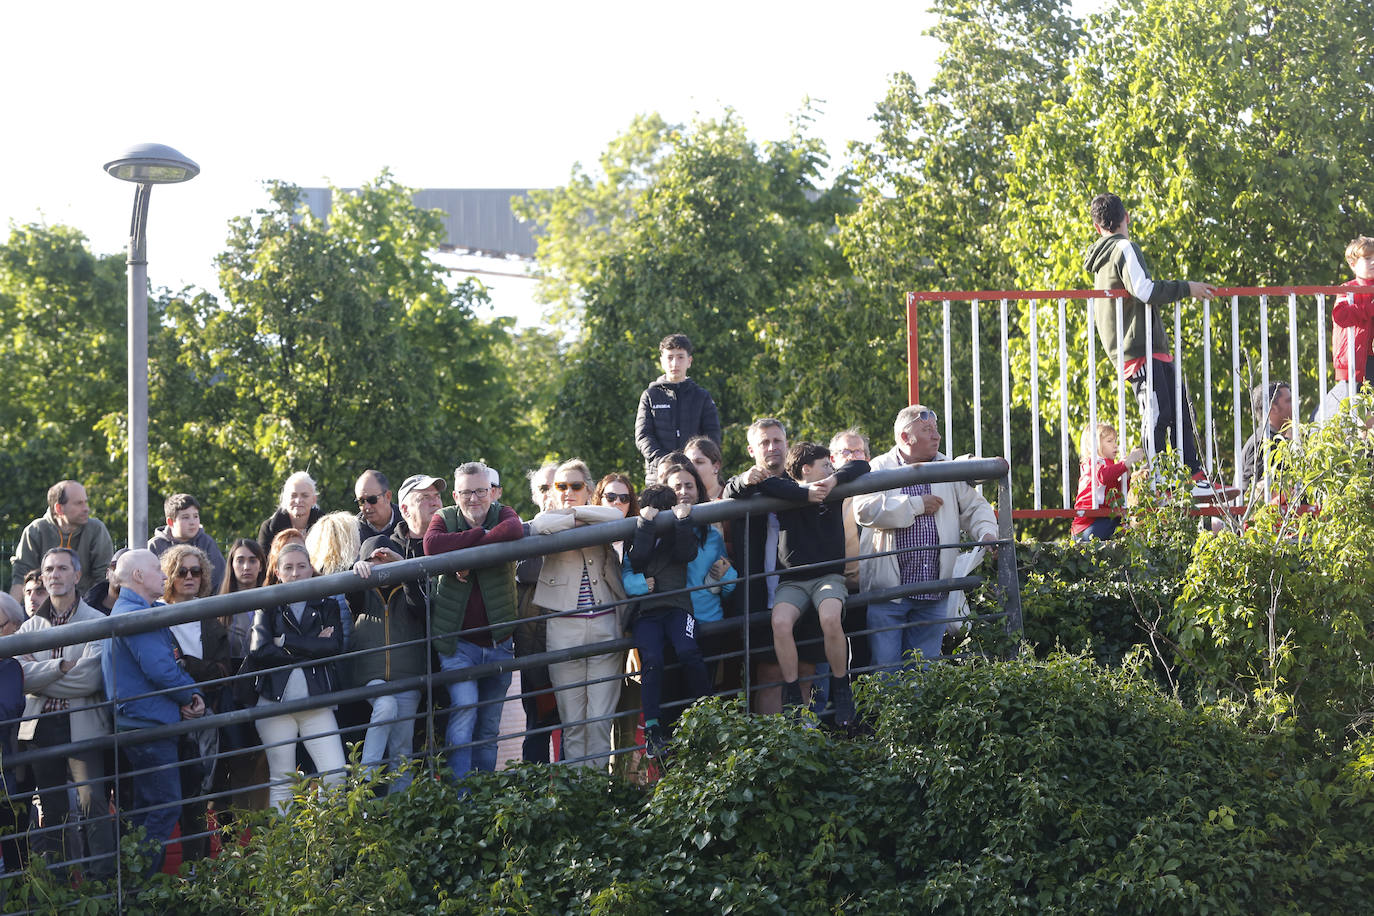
[
  {"x": 1107, "y": 486},
  {"x": 1353, "y": 313}
]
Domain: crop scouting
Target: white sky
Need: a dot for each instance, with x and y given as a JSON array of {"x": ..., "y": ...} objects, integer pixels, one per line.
[{"x": 447, "y": 94}]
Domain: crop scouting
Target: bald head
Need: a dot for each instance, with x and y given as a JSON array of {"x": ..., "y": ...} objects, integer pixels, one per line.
[{"x": 141, "y": 571}]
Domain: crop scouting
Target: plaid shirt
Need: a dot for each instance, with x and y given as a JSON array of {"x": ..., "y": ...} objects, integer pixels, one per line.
[
  {"x": 58, "y": 704},
  {"x": 914, "y": 564}
]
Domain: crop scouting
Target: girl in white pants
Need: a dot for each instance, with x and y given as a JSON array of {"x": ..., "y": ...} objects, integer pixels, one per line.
[{"x": 297, "y": 643}]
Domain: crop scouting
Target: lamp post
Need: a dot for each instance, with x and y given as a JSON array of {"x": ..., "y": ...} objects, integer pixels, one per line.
[{"x": 146, "y": 164}]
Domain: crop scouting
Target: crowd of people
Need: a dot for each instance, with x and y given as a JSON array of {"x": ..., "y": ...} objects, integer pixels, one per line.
[{"x": 657, "y": 585}]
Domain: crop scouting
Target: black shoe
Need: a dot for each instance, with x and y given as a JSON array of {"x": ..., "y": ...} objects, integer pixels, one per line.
[
  {"x": 791, "y": 697},
  {"x": 655, "y": 741},
  {"x": 843, "y": 702}
]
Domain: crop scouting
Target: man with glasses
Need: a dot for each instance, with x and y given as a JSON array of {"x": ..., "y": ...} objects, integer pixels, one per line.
[
  {"x": 66, "y": 705},
  {"x": 377, "y": 514},
  {"x": 911, "y": 520},
  {"x": 473, "y": 616},
  {"x": 541, "y": 710},
  {"x": 852, "y": 445}
]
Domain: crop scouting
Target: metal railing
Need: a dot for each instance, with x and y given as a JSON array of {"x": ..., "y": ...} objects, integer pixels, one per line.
[
  {"x": 1054, "y": 379},
  {"x": 429, "y": 757}
]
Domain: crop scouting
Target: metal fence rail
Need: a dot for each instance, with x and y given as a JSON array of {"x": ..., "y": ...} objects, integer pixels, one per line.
[
  {"x": 430, "y": 751},
  {"x": 1055, "y": 377}
]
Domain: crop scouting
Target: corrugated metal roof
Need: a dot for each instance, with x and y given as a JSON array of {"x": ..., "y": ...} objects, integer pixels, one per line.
[{"x": 478, "y": 220}]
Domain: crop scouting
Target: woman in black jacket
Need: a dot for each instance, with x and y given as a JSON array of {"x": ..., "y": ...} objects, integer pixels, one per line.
[{"x": 297, "y": 642}]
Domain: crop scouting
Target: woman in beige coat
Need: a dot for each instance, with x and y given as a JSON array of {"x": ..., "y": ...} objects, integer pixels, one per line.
[{"x": 580, "y": 582}]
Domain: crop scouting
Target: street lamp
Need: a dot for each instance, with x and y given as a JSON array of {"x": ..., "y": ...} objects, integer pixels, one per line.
[{"x": 146, "y": 164}]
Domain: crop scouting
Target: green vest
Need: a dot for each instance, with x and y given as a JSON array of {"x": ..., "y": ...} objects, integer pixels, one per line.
[{"x": 450, "y": 603}]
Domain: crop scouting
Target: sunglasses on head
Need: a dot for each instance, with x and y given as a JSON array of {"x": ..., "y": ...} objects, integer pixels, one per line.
[
  {"x": 184, "y": 572},
  {"x": 562, "y": 486},
  {"x": 616, "y": 497},
  {"x": 370, "y": 500}
]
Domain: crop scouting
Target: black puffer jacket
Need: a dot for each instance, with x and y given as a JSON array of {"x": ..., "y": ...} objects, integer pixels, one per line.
[
  {"x": 670, "y": 413},
  {"x": 302, "y": 642}
]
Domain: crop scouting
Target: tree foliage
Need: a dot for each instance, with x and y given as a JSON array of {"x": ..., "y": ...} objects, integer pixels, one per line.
[{"x": 63, "y": 310}]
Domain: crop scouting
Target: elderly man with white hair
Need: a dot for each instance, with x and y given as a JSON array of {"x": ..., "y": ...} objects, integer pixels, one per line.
[
  {"x": 906, "y": 520},
  {"x": 138, "y": 668}
]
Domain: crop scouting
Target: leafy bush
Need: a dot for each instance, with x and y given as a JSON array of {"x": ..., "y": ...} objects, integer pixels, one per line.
[{"x": 985, "y": 787}]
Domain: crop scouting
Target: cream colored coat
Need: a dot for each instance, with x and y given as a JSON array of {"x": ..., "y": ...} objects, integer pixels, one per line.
[
  {"x": 83, "y": 686},
  {"x": 885, "y": 512},
  {"x": 560, "y": 577}
]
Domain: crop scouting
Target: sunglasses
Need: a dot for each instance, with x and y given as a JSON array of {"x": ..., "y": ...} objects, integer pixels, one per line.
[
  {"x": 616, "y": 498},
  {"x": 184, "y": 572},
  {"x": 370, "y": 500},
  {"x": 545, "y": 487},
  {"x": 562, "y": 486}
]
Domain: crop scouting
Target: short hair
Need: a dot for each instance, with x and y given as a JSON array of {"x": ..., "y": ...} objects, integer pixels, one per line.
[
  {"x": 76, "y": 560},
  {"x": 377, "y": 476},
  {"x": 852, "y": 432},
  {"x": 178, "y": 502},
  {"x": 13, "y": 610},
  {"x": 802, "y": 454},
  {"x": 549, "y": 468},
  {"x": 172, "y": 559},
  {"x": 33, "y": 575},
  {"x": 660, "y": 496},
  {"x": 1260, "y": 402},
  {"x": 469, "y": 468},
  {"x": 676, "y": 342},
  {"x": 1361, "y": 246},
  {"x": 575, "y": 464},
  {"x": 333, "y": 543},
  {"x": 1108, "y": 211},
  {"x": 763, "y": 423},
  {"x": 1092, "y": 437},
  {"x": 905, "y": 417},
  {"x": 57, "y": 493},
  {"x": 707, "y": 446},
  {"x": 617, "y": 477},
  {"x": 286, "y": 488}
]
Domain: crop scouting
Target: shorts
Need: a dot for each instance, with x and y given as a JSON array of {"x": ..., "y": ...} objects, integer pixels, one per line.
[{"x": 807, "y": 594}]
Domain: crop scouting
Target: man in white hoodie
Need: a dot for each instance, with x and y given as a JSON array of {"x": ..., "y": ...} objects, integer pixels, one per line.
[{"x": 906, "y": 520}]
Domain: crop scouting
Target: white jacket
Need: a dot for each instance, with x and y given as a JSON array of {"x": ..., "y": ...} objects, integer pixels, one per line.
[
  {"x": 885, "y": 512},
  {"x": 83, "y": 687}
]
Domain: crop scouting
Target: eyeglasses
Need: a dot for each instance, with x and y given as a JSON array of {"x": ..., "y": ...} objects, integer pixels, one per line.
[
  {"x": 562, "y": 486},
  {"x": 369, "y": 500},
  {"x": 184, "y": 572},
  {"x": 852, "y": 452},
  {"x": 616, "y": 498},
  {"x": 473, "y": 494}
]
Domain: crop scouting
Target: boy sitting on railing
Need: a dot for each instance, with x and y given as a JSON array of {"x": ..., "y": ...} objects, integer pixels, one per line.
[
  {"x": 809, "y": 534},
  {"x": 1352, "y": 326}
]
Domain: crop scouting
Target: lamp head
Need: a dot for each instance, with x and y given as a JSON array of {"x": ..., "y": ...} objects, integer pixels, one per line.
[{"x": 152, "y": 163}]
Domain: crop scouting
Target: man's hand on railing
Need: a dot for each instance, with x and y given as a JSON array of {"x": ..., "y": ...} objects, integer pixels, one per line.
[
  {"x": 1201, "y": 290},
  {"x": 818, "y": 490},
  {"x": 194, "y": 709}
]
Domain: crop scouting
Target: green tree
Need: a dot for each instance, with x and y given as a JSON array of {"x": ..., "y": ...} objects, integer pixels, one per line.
[
  {"x": 341, "y": 346},
  {"x": 63, "y": 310},
  {"x": 723, "y": 234}
]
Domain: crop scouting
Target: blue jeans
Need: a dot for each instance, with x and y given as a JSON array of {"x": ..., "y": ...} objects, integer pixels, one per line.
[
  {"x": 474, "y": 716},
  {"x": 889, "y": 646},
  {"x": 159, "y": 791},
  {"x": 387, "y": 739}
]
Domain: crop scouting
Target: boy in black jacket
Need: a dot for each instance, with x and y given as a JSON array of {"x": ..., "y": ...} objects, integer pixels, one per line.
[
  {"x": 809, "y": 534},
  {"x": 674, "y": 408}
]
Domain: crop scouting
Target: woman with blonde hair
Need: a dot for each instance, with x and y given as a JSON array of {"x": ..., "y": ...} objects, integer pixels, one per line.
[
  {"x": 581, "y": 583},
  {"x": 294, "y": 646}
]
